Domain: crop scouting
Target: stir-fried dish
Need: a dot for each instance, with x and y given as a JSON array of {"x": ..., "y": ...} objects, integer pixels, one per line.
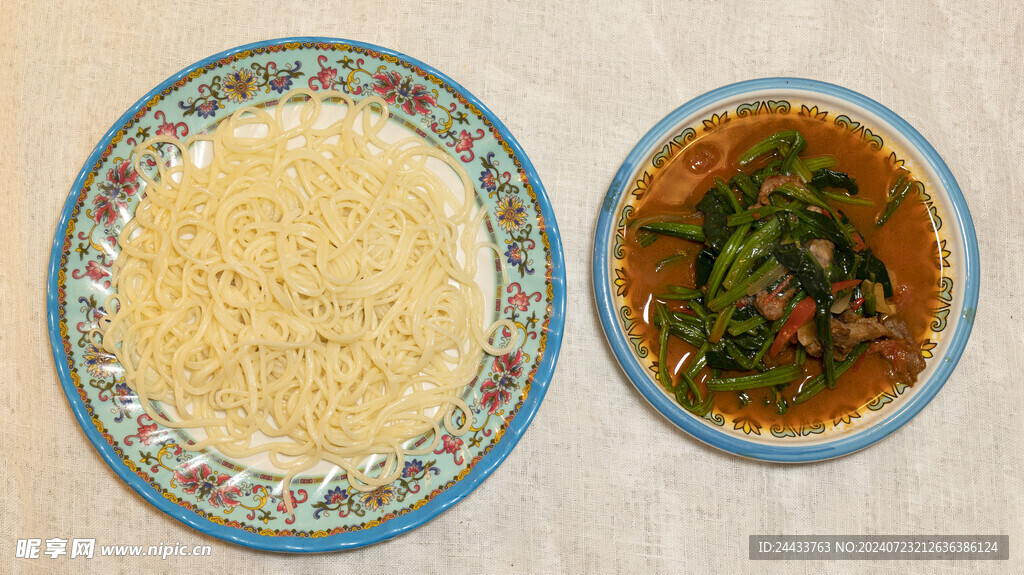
[{"x": 773, "y": 289}]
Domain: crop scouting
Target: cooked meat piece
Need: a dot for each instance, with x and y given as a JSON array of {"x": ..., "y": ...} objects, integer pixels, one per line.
[
  {"x": 772, "y": 305},
  {"x": 902, "y": 352},
  {"x": 769, "y": 185},
  {"x": 848, "y": 316},
  {"x": 845, "y": 335},
  {"x": 820, "y": 248},
  {"x": 891, "y": 339},
  {"x": 898, "y": 328},
  {"x": 822, "y": 251},
  {"x": 745, "y": 301}
]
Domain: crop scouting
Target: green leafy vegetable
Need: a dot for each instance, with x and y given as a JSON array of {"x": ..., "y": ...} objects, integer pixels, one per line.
[
  {"x": 685, "y": 231},
  {"x": 899, "y": 192},
  {"x": 844, "y": 199},
  {"x": 792, "y": 156},
  {"x": 747, "y": 186},
  {"x": 825, "y": 178},
  {"x": 674, "y": 292},
  {"x": 725, "y": 258},
  {"x": 872, "y": 269},
  {"x": 716, "y": 210},
  {"x": 770, "y": 169},
  {"x": 756, "y": 264},
  {"x": 811, "y": 225},
  {"x": 667, "y": 261},
  {"x": 705, "y": 263},
  {"x": 757, "y": 245},
  {"x": 774, "y": 376},
  {"x": 769, "y": 144}
]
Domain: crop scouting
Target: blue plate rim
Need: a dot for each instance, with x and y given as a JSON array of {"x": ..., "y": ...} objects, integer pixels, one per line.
[
  {"x": 394, "y": 526},
  {"x": 801, "y": 453}
]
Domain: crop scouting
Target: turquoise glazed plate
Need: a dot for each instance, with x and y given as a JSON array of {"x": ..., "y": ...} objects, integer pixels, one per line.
[
  {"x": 955, "y": 294},
  {"x": 242, "y": 502}
]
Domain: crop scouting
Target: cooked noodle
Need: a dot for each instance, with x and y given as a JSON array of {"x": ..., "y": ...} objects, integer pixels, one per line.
[{"x": 311, "y": 286}]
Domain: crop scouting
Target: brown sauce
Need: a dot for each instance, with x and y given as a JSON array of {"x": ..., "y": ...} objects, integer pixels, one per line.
[{"x": 907, "y": 244}]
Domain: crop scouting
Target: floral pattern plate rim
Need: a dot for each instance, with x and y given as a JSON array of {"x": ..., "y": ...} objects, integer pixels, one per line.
[
  {"x": 246, "y": 505},
  {"x": 885, "y": 131}
]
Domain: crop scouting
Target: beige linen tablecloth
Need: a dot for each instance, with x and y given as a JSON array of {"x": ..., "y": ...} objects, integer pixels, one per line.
[{"x": 600, "y": 482}]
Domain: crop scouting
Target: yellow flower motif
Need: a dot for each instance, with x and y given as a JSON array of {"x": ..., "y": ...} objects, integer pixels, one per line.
[
  {"x": 895, "y": 160},
  {"x": 813, "y": 112},
  {"x": 846, "y": 418},
  {"x": 240, "y": 85},
  {"x": 715, "y": 121},
  {"x": 379, "y": 497},
  {"x": 510, "y": 213},
  {"x": 621, "y": 282},
  {"x": 944, "y": 253},
  {"x": 926, "y": 348},
  {"x": 747, "y": 426},
  {"x": 99, "y": 363},
  {"x": 641, "y": 185}
]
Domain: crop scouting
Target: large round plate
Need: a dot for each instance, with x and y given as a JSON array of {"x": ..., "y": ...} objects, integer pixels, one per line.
[
  {"x": 229, "y": 499},
  {"x": 955, "y": 296}
]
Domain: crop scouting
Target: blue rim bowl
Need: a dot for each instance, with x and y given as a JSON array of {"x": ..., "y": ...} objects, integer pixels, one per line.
[{"x": 964, "y": 245}]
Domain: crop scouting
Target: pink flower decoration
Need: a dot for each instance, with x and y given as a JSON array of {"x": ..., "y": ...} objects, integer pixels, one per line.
[
  {"x": 96, "y": 271},
  {"x": 167, "y": 129},
  {"x": 146, "y": 433},
  {"x": 325, "y": 77},
  {"x": 451, "y": 444},
  {"x": 465, "y": 142},
  {"x": 520, "y": 301}
]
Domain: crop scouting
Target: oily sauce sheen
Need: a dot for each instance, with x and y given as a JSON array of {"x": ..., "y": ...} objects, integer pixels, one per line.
[{"x": 907, "y": 243}]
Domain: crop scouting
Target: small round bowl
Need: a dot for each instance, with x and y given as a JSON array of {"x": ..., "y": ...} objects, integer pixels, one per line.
[{"x": 956, "y": 296}]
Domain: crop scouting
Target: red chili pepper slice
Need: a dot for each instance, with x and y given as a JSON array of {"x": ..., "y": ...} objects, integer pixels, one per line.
[
  {"x": 802, "y": 313},
  {"x": 845, "y": 284}
]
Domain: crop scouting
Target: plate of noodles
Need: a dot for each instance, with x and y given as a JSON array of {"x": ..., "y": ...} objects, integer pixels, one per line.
[{"x": 306, "y": 294}]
